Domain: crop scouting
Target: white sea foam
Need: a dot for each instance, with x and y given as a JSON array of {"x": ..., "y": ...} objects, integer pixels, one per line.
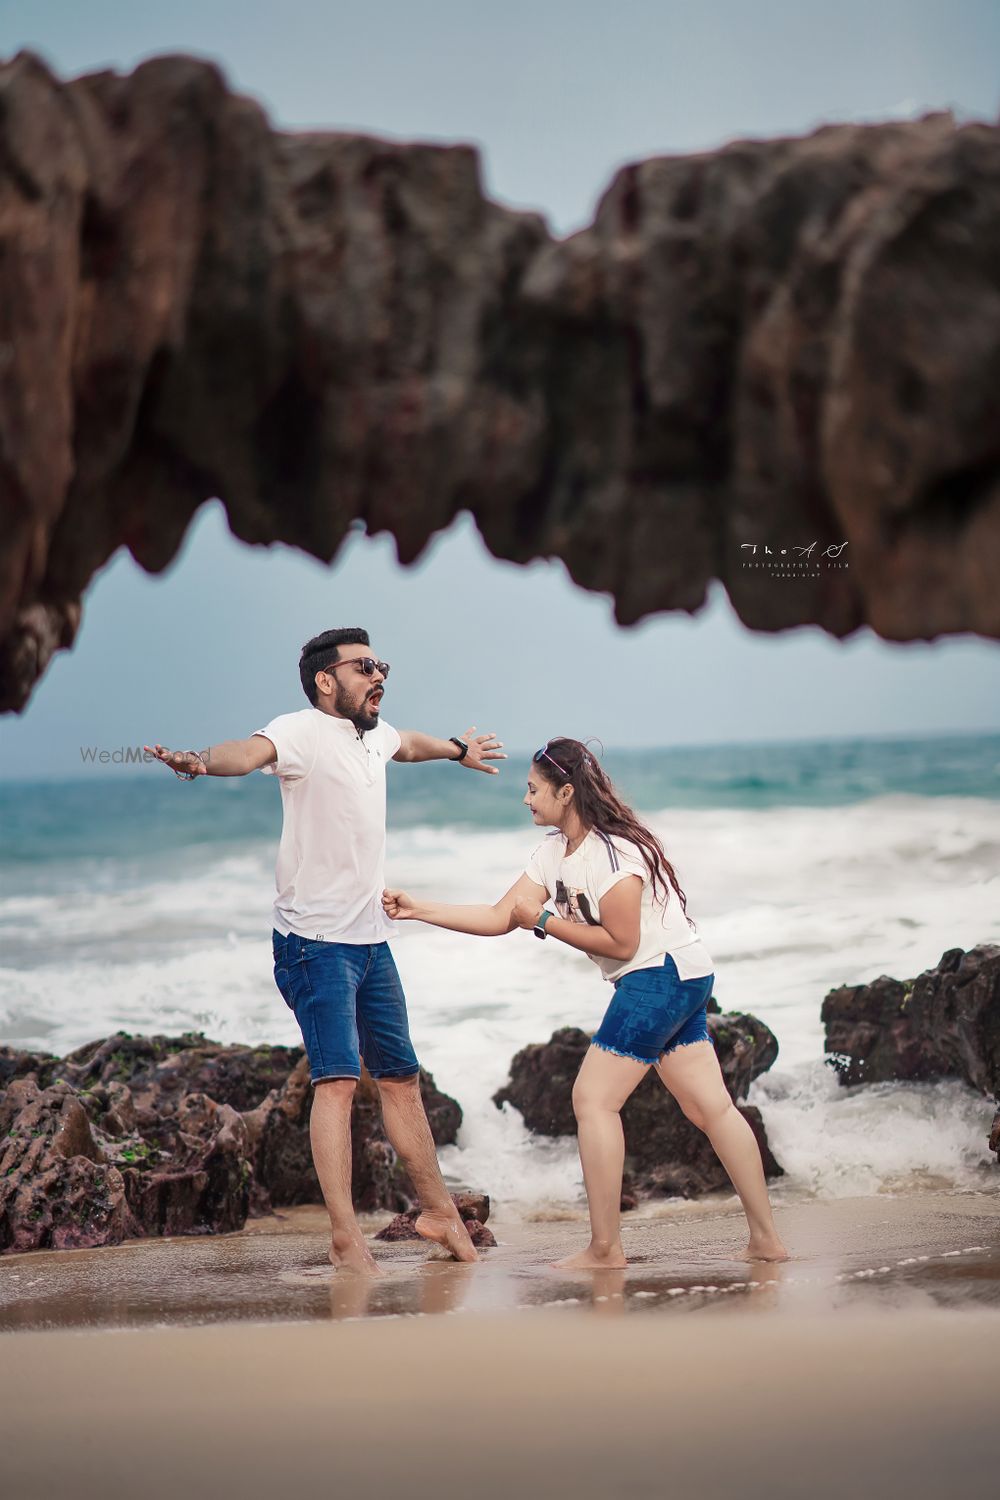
[
  {"x": 881, "y": 1137},
  {"x": 790, "y": 902}
]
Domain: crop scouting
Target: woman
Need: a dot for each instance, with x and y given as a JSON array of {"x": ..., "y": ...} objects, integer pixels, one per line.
[{"x": 617, "y": 899}]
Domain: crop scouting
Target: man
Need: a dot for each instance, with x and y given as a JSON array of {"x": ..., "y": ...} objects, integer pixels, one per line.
[{"x": 332, "y": 962}]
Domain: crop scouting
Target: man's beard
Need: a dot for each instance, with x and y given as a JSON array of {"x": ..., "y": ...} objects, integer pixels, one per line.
[{"x": 361, "y": 717}]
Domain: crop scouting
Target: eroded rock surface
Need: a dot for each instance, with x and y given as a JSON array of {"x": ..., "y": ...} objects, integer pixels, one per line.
[
  {"x": 783, "y": 343},
  {"x": 943, "y": 1024},
  {"x": 174, "y": 1135},
  {"x": 665, "y": 1154}
]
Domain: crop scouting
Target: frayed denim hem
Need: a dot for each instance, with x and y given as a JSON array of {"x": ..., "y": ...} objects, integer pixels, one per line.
[
  {"x": 631, "y": 1055},
  {"x": 695, "y": 1042}
]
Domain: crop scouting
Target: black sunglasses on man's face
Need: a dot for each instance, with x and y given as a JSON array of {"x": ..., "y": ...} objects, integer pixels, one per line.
[{"x": 366, "y": 664}]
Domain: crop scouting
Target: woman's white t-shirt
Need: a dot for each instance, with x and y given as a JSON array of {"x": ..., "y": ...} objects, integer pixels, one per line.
[{"x": 576, "y": 883}]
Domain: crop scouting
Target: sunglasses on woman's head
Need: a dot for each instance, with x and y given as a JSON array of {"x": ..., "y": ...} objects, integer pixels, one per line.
[
  {"x": 366, "y": 664},
  {"x": 544, "y": 751}
]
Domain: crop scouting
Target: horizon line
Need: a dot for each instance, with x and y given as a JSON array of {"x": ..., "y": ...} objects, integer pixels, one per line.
[{"x": 111, "y": 772}]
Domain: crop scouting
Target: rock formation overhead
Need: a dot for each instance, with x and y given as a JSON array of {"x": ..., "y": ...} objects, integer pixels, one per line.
[{"x": 790, "y": 345}]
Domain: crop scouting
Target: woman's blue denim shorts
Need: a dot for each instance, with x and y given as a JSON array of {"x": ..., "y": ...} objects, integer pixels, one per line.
[
  {"x": 349, "y": 1003},
  {"x": 654, "y": 1011}
]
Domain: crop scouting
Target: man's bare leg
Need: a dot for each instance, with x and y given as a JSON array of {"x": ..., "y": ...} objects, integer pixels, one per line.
[
  {"x": 330, "y": 1138},
  {"x": 409, "y": 1133},
  {"x": 693, "y": 1076},
  {"x": 602, "y": 1086}
]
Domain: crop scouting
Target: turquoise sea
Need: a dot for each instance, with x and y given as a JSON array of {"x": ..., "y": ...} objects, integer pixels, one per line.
[{"x": 110, "y": 813}]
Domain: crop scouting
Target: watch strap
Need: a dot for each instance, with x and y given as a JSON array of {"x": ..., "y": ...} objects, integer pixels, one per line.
[
  {"x": 462, "y": 746},
  {"x": 539, "y": 927}
]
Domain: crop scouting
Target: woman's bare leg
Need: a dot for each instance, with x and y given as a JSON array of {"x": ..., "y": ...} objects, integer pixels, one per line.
[
  {"x": 693, "y": 1076},
  {"x": 602, "y": 1086}
]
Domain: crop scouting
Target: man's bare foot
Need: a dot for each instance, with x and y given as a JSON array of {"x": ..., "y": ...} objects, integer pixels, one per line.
[
  {"x": 594, "y": 1260},
  {"x": 348, "y": 1252},
  {"x": 762, "y": 1247},
  {"x": 446, "y": 1229}
]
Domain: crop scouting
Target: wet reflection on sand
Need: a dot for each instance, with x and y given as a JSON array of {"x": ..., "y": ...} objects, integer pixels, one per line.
[{"x": 935, "y": 1249}]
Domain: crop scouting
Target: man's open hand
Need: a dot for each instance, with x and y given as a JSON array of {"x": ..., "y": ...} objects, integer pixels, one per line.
[
  {"x": 187, "y": 764},
  {"x": 482, "y": 748}
]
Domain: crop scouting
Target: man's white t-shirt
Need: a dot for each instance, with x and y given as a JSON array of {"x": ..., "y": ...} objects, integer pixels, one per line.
[
  {"x": 330, "y": 871},
  {"x": 576, "y": 883}
]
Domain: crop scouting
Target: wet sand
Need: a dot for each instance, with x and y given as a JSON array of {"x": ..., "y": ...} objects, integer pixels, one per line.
[
  {"x": 932, "y": 1249},
  {"x": 869, "y": 1361}
]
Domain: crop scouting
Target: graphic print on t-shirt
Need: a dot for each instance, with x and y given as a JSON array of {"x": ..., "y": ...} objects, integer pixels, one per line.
[
  {"x": 573, "y": 904},
  {"x": 576, "y": 885}
]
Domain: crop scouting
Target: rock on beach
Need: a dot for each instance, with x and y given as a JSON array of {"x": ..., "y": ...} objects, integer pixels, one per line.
[
  {"x": 945, "y": 1023},
  {"x": 664, "y": 1152},
  {"x": 138, "y": 1136}
]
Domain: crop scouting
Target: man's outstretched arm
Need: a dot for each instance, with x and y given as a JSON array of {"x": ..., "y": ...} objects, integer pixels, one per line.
[
  {"x": 482, "y": 748},
  {"x": 230, "y": 758}
]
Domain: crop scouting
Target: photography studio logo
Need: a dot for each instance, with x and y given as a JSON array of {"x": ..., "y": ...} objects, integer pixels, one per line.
[{"x": 794, "y": 561}]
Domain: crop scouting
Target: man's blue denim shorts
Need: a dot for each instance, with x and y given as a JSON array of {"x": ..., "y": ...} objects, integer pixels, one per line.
[
  {"x": 349, "y": 1003},
  {"x": 654, "y": 1011}
]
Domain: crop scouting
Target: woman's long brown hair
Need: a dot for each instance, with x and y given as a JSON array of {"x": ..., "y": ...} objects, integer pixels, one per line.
[{"x": 600, "y": 807}]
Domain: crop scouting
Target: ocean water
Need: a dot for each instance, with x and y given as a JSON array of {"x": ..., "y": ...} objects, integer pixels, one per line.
[{"x": 137, "y": 901}]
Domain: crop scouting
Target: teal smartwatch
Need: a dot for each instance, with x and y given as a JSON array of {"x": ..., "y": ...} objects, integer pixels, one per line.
[{"x": 539, "y": 927}]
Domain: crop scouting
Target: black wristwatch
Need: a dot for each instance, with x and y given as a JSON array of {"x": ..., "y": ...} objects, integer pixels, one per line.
[{"x": 463, "y": 748}]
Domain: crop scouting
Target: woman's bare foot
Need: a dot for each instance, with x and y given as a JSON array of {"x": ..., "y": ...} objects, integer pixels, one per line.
[
  {"x": 764, "y": 1247},
  {"x": 447, "y": 1230},
  {"x": 593, "y": 1259},
  {"x": 349, "y": 1252}
]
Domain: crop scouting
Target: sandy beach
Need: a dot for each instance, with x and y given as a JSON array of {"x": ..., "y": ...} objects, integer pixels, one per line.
[{"x": 869, "y": 1360}]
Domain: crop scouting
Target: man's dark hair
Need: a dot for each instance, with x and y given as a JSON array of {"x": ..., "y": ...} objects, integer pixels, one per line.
[{"x": 324, "y": 649}]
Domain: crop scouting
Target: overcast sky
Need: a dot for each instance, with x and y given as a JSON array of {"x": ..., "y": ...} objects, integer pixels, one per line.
[{"x": 557, "y": 94}]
